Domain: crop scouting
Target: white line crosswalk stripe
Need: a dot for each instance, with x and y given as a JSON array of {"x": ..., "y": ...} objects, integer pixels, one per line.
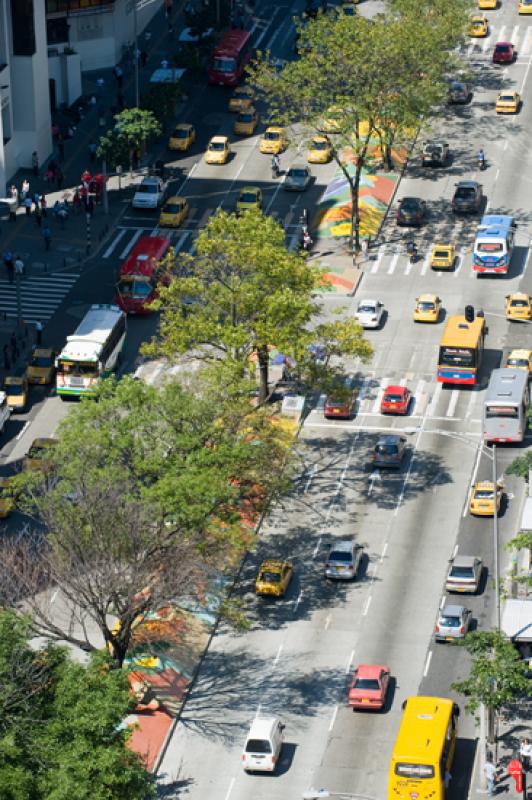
[{"x": 40, "y": 296}]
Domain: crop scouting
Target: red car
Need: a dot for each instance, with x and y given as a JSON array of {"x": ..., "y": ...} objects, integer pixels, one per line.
[
  {"x": 341, "y": 407},
  {"x": 503, "y": 53},
  {"x": 369, "y": 686},
  {"x": 396, "y": 400}
]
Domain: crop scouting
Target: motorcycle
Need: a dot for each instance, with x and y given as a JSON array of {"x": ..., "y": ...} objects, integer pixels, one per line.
[
  {"x": 411, "y": 251},
  {"x": 481, "y": 161},
  {"x": 275, "y": 169},
  {"x": 306, "y": 241}
]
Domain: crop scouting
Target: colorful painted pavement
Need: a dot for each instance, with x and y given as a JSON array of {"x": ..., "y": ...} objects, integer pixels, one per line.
[{"x": 333, "y": 218}]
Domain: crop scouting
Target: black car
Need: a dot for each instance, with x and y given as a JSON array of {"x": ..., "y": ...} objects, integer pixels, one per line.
[
  {"x": 459, "y": 93},
  {"x": 435, "y": 154},
  {"x": 412, "y": 211},
  {"x": 467, "y": 197}
]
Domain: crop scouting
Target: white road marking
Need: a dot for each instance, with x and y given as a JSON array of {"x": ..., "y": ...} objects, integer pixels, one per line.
[
  {"x": 470, "y": 405},
  {"x": 114, "y": 243},
  {"x": 425, "y": 266},
  {"x": 454, "y": 551},
  {"x": 455, "y": 394},
  {"x": 327, "y": 622},
  {"x": 393, "y": 263},
  {"x": 351, "y": 657},
  {"x": 366, "y": 606},
  {"x": 53, "y": 597},
  {"x": 230, "y": 789},
  {"x": 131, "y": 243},
  {"x": 458, "y": 264},
  {"x": 316, "y": 549},
  {"x": 277, "y": 657},
  {"x": 310, "y": 478},
  {"x": 384, "y": 549},
  {"x": 298, "y": 600},
  {"x": 20, "y": 434},
  {"x": 378, "y": 260},
  {"x": 377, "y": 404},
  {"x": 375, "y": 476},
  {"x": 473, "y": 476},
  {"x": 435, "y": 397},
  {"x": 526, "y": 261},
  {"x": 427, "y": 664},
  {"x": 442, "y": 603},
  {"x": 515, "y": 37},
  {"x": 178, "y": 245},
  {"x": 333, "y": 718}
]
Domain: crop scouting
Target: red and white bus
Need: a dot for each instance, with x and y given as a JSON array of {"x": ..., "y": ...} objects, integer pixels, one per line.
[
  {"x": 230, "y": 57},
  {"x": 140, "y": 275}
]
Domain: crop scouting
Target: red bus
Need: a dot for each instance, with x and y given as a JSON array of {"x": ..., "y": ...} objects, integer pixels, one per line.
[
  {"x": 140, "y": 275},
  {"x": 230, "y": 57}
]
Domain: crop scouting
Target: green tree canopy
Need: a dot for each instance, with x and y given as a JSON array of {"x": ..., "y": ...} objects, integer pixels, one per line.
[
  {"x": 61, "y": 731},
  {"x": 245, "y": 293},
  {"x": 133, "y": 129}
]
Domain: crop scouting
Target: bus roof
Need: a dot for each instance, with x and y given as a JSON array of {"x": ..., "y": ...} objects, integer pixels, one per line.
[
  {"x": 495, "y": 221},
  {"x": 148, "y": 249},
  {"x": 506, "y": 386},
  {"x": 459, "y": 333},
  {"x": 91, "y": 334},
  {"x": 422, "y": 729},
  {"x": 232, "y": 43}
]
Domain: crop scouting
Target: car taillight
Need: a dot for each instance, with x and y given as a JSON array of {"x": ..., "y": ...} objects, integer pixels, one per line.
[
  {"x": 437, "y": 628},
  {"x": 243, "y": 757},
  {"x": 462, "y": 629},
  {"x": 350, "y": 566},
  {"x": 274, "y": 759}
]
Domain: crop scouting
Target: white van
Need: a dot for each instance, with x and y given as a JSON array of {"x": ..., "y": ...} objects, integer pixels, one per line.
[
  {"x": 263, "y": 744},
  {"x": 5, "y": 411}
]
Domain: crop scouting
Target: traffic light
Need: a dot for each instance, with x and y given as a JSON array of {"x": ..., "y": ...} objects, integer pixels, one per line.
[{"x": 469, "y": 314}]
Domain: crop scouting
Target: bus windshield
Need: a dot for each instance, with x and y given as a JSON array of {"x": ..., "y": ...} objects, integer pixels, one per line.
[
  {"x": 457, "y": 356},
  {"x": 510, "y": 412},
  {"x": 79, "y": 368},
  {"x": 223, "y": 64},
  {"x": 414, "y": 770},
  {"x": 490, "y": 247}
]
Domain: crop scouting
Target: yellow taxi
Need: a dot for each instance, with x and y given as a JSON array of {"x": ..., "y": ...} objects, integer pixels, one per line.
[
  {"x": 477, "y": 26},
  {"x": 42, "y": 366},
  {"x": 38, "y": 456},
  {"x": 183, "y": 136},
  {"x": 217, "y": 150},
  {"x": 319, "y": 150},
  {"x": 442, "y": 256},
  {"x": 274, "y": 140},
  {"x": 249, "y": 197},
  {"x": 427, "y": 308},
  {"x": 520, "y": 359},
  {"x": 508, "y": 102},
  {"x": 518, "y": 306},
  {"x": 8, "y": 497},
  {"x": 487, "y": 5},
  {"x": 482, "y": 502},
  {"x": 241, "y": 98},
  {"x": 16, "y": 389},
  {"x": 174, "y": 212},
  {"x": 274, "y": 578},
  {"x": 524, "y": 7},
  {"x": 246, "y": 122},
  {"x": 332, "y": 121}
]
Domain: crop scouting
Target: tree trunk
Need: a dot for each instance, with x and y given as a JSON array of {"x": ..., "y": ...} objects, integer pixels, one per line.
[
  {"x": 491, "y": 725},
  {"x": 354, "y": 186},
  {"x": 263, "y": 357}
]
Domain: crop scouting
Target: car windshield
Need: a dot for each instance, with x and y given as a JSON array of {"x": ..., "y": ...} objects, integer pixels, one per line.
[
  {"x": 409, "y": 205},
  {"x": 316, "y": 144},
  {"x": 459, "y": 87},
  {"x": 366, "y": 308},
  {"x": 218, "y": 146},
  {"x": 507, "y": 98},
  {"x": 425, "y": 305},
  {"x": 272, "y": 136},
  {"x": 367, "y": 683},
  {"x": 484, "y": 494},
  {"x": 270, "y": 577},
  {"x": 181, "y": 133},
  {"x": 246, "y": 116},
  {"x": 141, "y": 288},
  {"x": 340, "y": 555},
  {"x": 336, "y": 402},
  {"x": 457, "y": 356},
  {"x": 519, "y": 303},
  {"x": 258, "y": 746},
  {"x": 172, "y": 208},
  {"x": 387, "y": 449},
  {"x": 297, "y": 173},
  {"x": 41, "y": 361},
  {"x": 414, "y": 770},
  {"x": 518, "y": 362},
  {"x": 224, "y": 64},
  {"x": 450, "y": 622},
  {"x": 393, "y": 398},
  {"x": 441, "y": 254},
  {"x": 248, "y": 197},
  {"x": 148, "y": 188},
  {"x": 465, "y": 192},
  {"x": 15, "y": 390},
  {"x": 462, "y": 572},
  {"x": 502, "y": 48}
]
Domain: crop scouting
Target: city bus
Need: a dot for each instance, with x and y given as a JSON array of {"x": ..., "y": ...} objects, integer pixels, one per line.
[
  {"x": 461, "y": 350},
  {"x": 494, "y": 244},
  {"x": 140, "y": 275},
  {"x": 92, "y": 352},
  {"x": 230, "y": 58},
  {"x": 505, "y": 405},
  {"x": 424, "y": 749}
]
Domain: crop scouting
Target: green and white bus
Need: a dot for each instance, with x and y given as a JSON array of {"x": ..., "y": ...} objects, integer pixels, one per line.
[{"x": 92, "y": 352}]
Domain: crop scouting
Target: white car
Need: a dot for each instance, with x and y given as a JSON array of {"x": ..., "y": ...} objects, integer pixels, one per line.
[
  {"x": 370, "y": 313},
  {"x": 150, "y": 193}
]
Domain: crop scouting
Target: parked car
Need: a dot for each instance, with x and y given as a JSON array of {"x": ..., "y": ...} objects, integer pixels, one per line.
[
  {"x": 464, "y": 574},
  {"x": 343, "y": 561},
  {"x": 453, "y": 623},
  {"x": 369, "y": 687},
  {"x": 150, "y": 193}
]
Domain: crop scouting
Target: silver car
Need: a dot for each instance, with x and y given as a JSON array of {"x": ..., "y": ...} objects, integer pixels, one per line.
[
  {"x": 370, "y": 313},
  {"x": 149, "y": 194},
  {"x": 453, "y": 623},
  {"x": 389, "y": 451},
  {"x": 464, "y": 574},
  {"x": 297, "y": 178},
  {"x": 343, "y": 561}
]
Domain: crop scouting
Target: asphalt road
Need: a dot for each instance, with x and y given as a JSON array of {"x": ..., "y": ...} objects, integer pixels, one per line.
[{"x": 297, "y": 658}]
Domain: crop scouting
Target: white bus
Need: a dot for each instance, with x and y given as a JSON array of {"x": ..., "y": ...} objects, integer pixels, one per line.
[
  {"x": 92, "y": 352},
  {"x": 505, "y": 406}
]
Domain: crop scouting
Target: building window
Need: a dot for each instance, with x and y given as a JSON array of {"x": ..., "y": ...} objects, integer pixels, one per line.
[
  {"x": 23, "y": 25},
  {"x": 57, "y": 30}
]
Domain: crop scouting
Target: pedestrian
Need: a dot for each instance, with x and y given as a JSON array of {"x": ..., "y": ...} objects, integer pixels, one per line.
[
  {"x": 165, "y": 63},
  {"x": 19, "y": 266},
  {"x": 12, "y": 210},
  {"x": 100, "y": 83},
  {"x": 35, "y": 198},
  {"x": 93, "y": 100},
  {"x": 119, "y": 75},
  {"x": 47, "y": 236},
  {"x": 43, "y": 204},
  {"x": 7, "y": 363},
  {"x": 9, "y": 265},
  {"x": 89, "y": 205},
  {"x": 25, "y": 189},
  {"x": 525, "y": 753},
  {"x": 38, "y": 215},
  {"x": 49, "y": 175},
  {"x": 14, "y": 347},
  {"x": 63, "y": 215},
  {"x": 490, "y": 771},
  {"x": 38, "y": 332},
  {"x": 59, "y": 178},
  {"x": 101, "y": 117},
  {"x": 61, "y": 147},
  {"x": 35, "y": 162},
  {"x": 143, "y": 56},
  {"x": 92, "y": 151},
  {"x": 14, "y": 193},
  {"x": 28, "y": 202},
  {"x": 76, "y": 201}
]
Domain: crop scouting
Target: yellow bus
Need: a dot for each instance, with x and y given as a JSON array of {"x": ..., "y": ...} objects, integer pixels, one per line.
[
  {"x": 424, "y": 749},
  {"x": 461, "y": 349}
]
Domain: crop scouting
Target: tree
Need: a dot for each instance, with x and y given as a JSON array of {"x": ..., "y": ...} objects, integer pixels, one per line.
[
  {"x": 497, "y": 676},
  {"x": 522, "y": 541},
  {"x": 385, "y": 75},
  {"x": 161, "y": 100},
  {"x": 62, "y": 732},
  {"x": 143, "y": 498},
  {"x": 133, "y": 129},
  {"x": 244, "y": 293},
  {"x": 521, "y": 466}
]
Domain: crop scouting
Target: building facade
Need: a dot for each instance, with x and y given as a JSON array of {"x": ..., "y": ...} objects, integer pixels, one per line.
[{"x": 25, "y": 124}]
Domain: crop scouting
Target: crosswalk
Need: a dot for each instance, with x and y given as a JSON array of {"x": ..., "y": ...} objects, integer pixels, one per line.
[
  {"x": 40, "y": 296},
  {"x": 519, "y": 35}
]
